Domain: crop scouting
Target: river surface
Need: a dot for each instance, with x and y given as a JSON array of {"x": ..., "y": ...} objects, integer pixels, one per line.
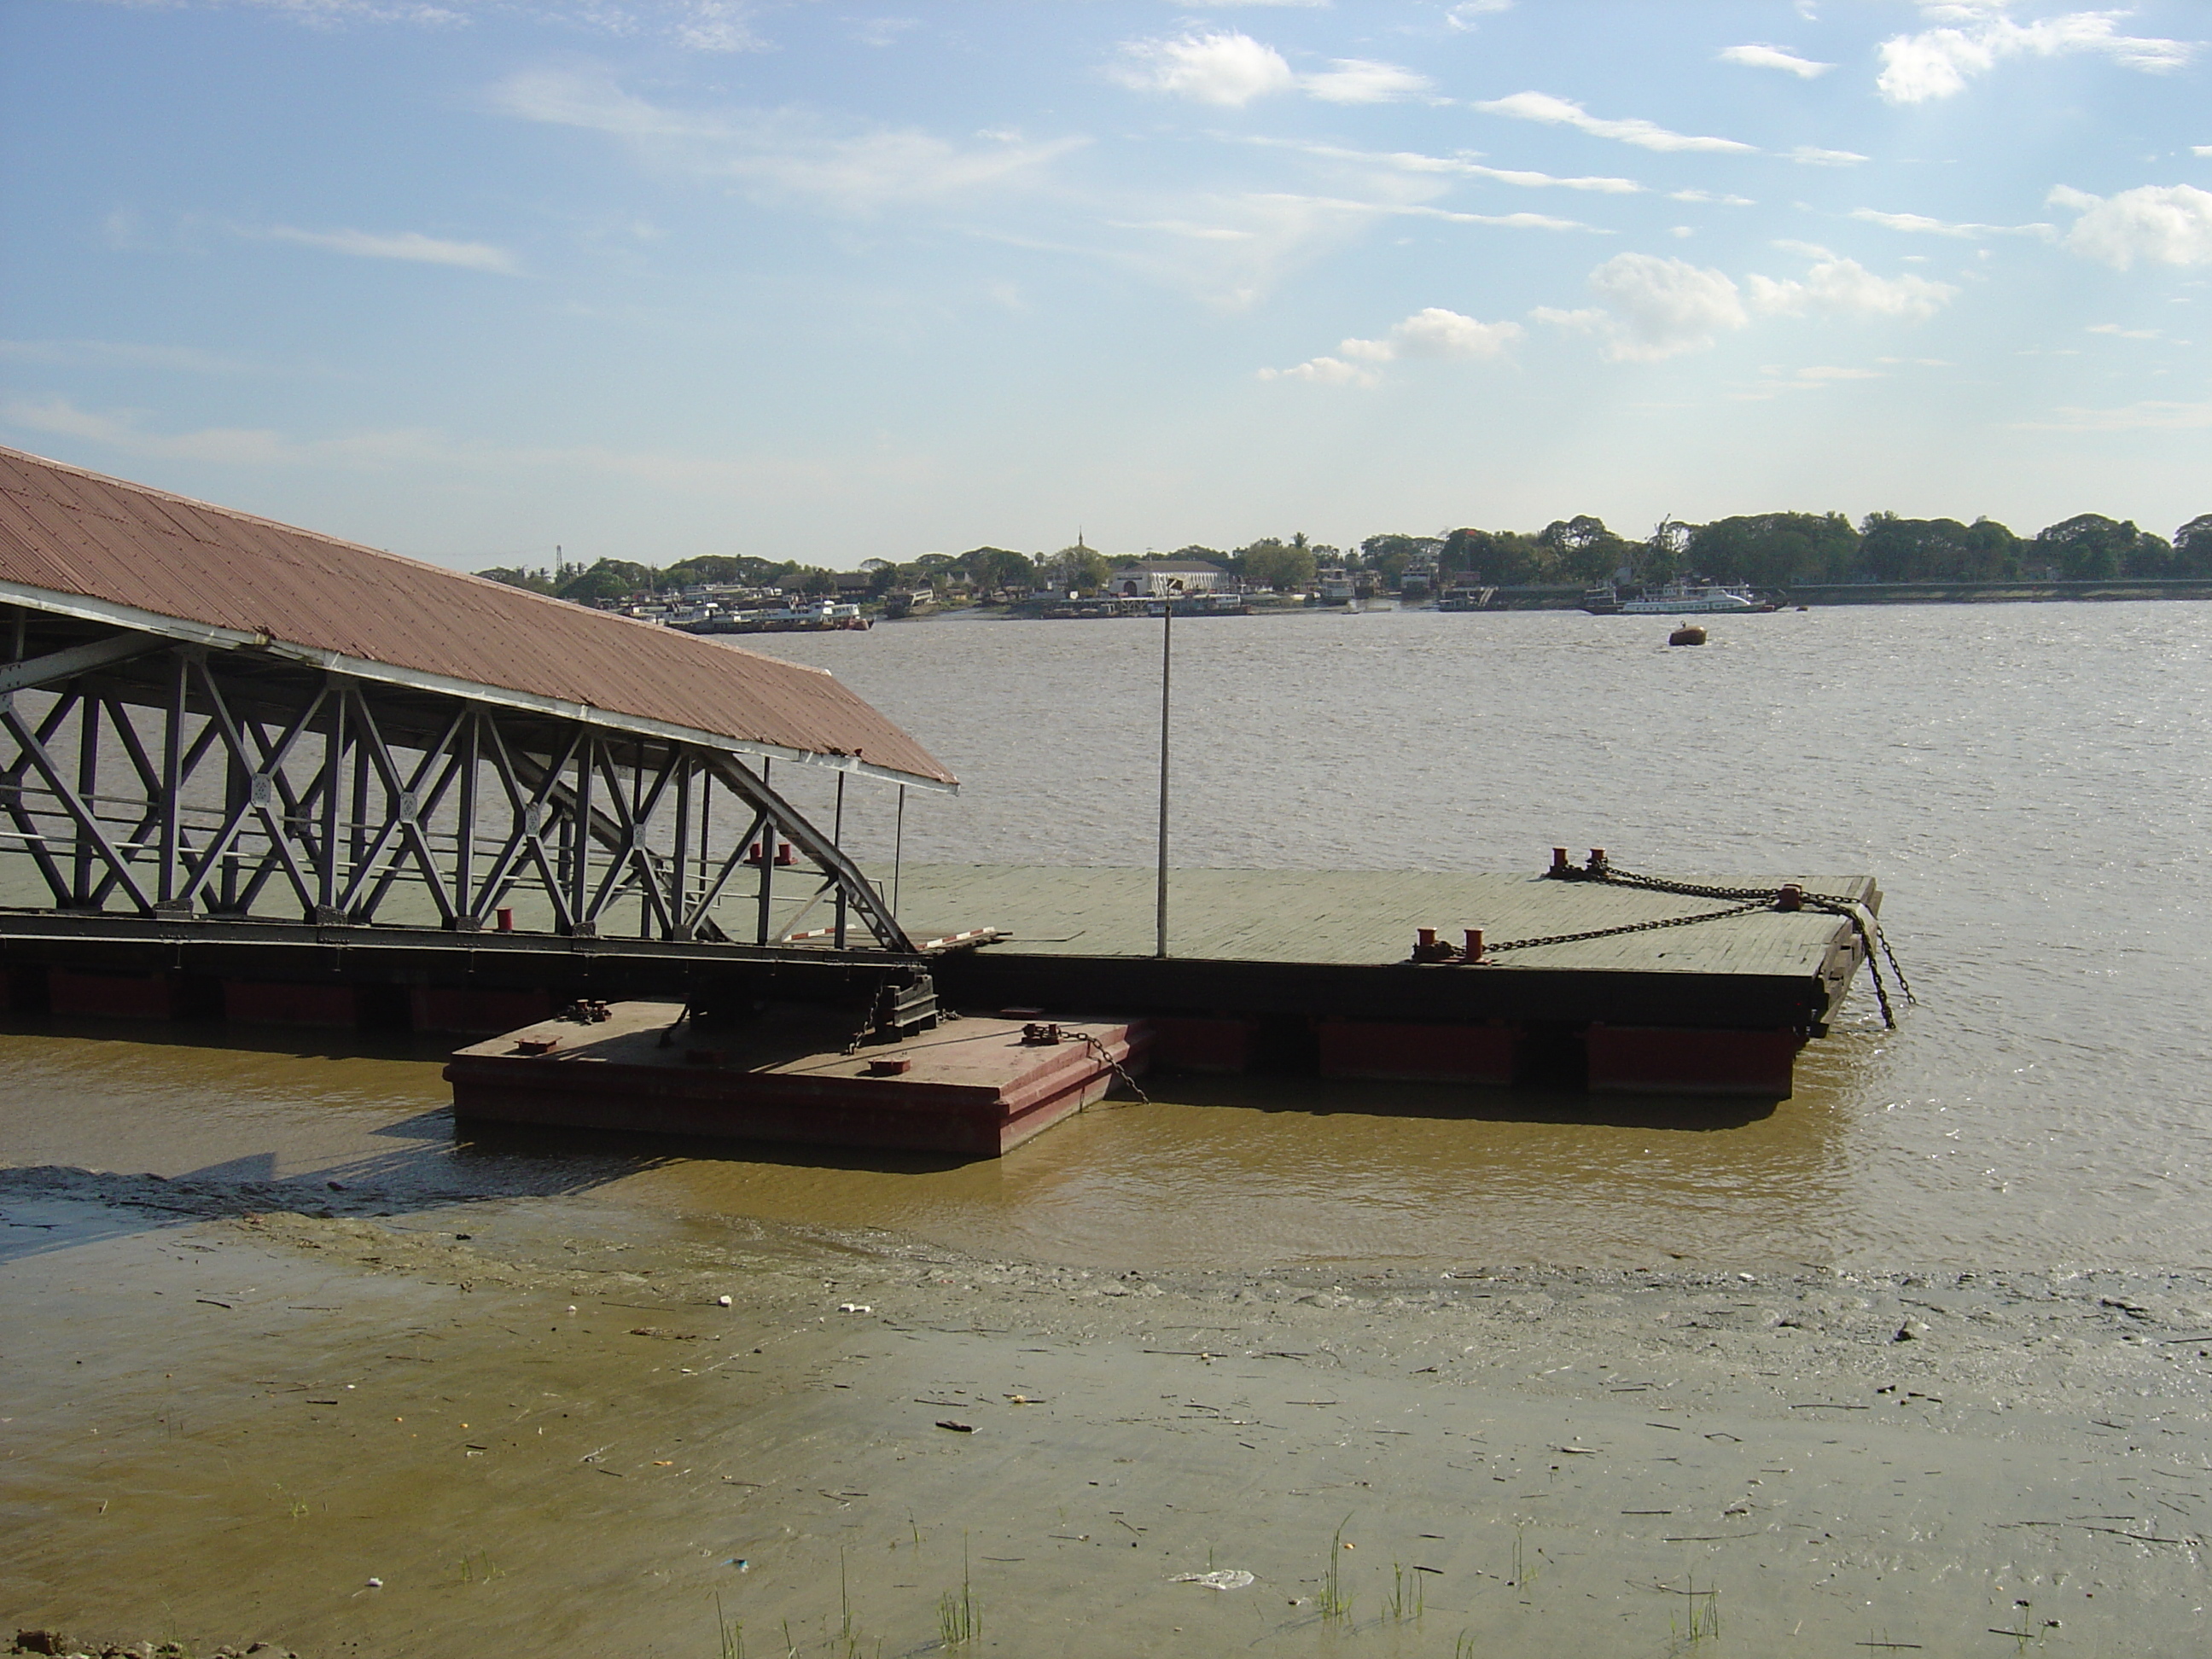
[{"x": 2032, "y": 784}]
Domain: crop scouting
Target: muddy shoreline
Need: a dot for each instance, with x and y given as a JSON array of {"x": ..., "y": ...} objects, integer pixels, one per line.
[{"x": 536, "y": 1422}]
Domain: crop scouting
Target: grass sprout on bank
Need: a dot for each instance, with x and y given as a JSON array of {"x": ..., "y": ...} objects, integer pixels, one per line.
[
  {"x": 1703, "y": 1618},
  {"x": 476, "y": 1568},
  {"x": 1402, "y": 1605},
  {"x": 1334, "y": 1603},
  {"x": 1463, "y": 1645},
  {"x": 959, "y": 1618},
  {"x": 731, "y": 1634}
]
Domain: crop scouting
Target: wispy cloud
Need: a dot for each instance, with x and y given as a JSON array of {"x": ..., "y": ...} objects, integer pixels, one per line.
[
  {"x": 1460, "y": 166},
  {"x": 125, "y": 433},
  {"x": 1225, "y": 66},
  {"x": 2147, "y": 417},
  {"x": 1363, "y": 80},
  {"x": 406, "y": 245},
  {"x": 422, "y": 451},
  {"x": 122, "y": 354},
  {"x": 1776, "y": 382},
  {"x": 1921, "y": 224},
  {"x": 785, "y": 156},
  {"x": 1433, "y": 333},
  {"x": 1775, "y": 57},
  {"x": 705, "y": 25},
  {"x": 1468, "y": 14},
  {"x": 1633, "y": 129},
  {"x": 2117, "y": 333},
  {"x": 2165, "y": 224},
  {"x": 1841, "y": 286},
  {"x": 1228, "y": 68},
  {"x": 1652, "y": 309},
  {"x": 1939, "y": 62},
  {"x": 1812, "y": 156}
]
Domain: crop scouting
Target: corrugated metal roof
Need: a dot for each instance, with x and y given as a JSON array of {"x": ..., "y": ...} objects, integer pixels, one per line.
[{"x": 71, "y": 533}]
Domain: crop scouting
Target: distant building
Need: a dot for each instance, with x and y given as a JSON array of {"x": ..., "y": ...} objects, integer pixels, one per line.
[{"x": 1158, "y": 577}]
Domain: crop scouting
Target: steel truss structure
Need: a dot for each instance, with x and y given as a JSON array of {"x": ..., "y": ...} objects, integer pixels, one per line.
[{"x": 145, "y": 776}]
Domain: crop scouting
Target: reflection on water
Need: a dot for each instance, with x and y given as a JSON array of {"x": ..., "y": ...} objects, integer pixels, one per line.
[{"x": 2033, "y": 785}]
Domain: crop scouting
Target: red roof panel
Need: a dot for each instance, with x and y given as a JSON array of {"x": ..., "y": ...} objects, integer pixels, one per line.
[{"x": 67, "y": 531}]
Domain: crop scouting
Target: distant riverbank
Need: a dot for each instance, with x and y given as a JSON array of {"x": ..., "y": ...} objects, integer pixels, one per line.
[{"x": 1551, "y": 597}]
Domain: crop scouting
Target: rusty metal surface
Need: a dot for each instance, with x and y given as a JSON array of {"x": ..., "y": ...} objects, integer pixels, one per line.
[{"x": 67, "y": 531}]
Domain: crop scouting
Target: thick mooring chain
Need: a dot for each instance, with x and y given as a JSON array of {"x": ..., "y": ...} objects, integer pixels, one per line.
[
  {"x": 1489, "y": 949},
  {"x": 1863, "y": 921},
  {"x": 1748, "y": 899}
]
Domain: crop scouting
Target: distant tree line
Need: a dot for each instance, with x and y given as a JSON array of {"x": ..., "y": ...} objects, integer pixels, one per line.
[
  {"x": 1765, "y": 550},
  {"x": 1793, "y": 549}
]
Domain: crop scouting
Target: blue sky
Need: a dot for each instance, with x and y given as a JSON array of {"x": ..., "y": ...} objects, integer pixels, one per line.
[{"x": 834, "y": 281}]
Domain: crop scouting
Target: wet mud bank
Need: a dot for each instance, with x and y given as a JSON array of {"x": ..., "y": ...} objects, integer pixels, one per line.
[{"x": 572, "y": 1427}]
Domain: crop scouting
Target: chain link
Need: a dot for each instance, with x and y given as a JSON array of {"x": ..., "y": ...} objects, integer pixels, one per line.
[{"x": 1864, "y": 927}]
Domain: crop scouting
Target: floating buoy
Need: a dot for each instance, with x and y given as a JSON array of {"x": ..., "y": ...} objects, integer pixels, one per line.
[{"x": 1690, "y": 634}]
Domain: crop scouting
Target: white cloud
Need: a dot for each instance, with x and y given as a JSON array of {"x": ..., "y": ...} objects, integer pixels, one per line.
[
  {"x": 1812, "y": 156},
  {"x": 1845, "y": 287},
  {"x": 2201, "y": 149},
  {"x": 714, "y": 26},
  {"x": 1778, "y": 382},
  {"x": 2171, "y": 224},
  {"x": 409, "y": 244},
  {"x": 1361, "y": 81},
  {"x": 2123, "y": 333},
  {"x": 1662, "y": 307},
  {"x": 1921, "y": 224},
  {"x": 1469, "y": 14},
  {"x": 1560, "y": 112},
  {"x": 219, "y": 445},
  {"x": 1938, "y": 62},
  {"x": 1434, "y": 332},
  {"x": 1230, "y": 69},
  {"x": 883, "y": 31},
  {"x": 1324, "y": 371},
  {"x": 783, "y": 155},
  {"x": 1460, "y": 166},
  {"x": 1708, "y": 196},
  {"x": 1655, "y": 307},
  {"x": 2148, "y": 416},
  {"x": 1775, "y": 57},
  {"x": 99, "y": 354}
]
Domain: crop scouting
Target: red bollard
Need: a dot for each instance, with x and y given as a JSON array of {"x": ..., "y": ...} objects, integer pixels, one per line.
[
  {"x": 507, "y": 921},
  {"x": 1474, "y": 951},
  {"x": 1597, "y": 866},
  {"x": 1560, "y": 868},
  {"x": 1791, "y": 897},
  {"x": 783, "y": 852}
]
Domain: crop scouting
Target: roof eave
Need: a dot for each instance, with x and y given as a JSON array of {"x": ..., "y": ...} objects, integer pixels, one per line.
[{"x": 187, "y": 632}]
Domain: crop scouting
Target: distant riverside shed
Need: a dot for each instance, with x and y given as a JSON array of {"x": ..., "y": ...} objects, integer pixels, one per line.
[{"x": 1159, "y": 576}]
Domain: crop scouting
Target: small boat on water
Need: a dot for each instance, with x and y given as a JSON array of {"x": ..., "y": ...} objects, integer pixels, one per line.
[{"x": 1682, "y": 598}]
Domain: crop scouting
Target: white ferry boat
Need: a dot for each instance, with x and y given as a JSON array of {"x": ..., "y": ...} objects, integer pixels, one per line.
[{"x": 1675, "y": 599}]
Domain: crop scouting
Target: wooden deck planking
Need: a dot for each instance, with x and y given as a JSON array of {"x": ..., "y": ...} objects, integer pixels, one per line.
[{"x": 1369, "y": 918}]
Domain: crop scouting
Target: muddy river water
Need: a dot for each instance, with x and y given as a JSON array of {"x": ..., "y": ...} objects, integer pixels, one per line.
[{"x": 1866, "y": 1369}]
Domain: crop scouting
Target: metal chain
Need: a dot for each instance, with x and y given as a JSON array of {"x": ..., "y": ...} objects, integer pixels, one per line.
[
  {"x": 1114, "y": 1067},
  {"x": 1626, "y": 927},
  {"x": 1862, "y": 922}
]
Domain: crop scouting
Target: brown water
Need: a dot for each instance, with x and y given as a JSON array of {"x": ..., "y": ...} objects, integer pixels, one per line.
[{"x": 2032, "y": 786}]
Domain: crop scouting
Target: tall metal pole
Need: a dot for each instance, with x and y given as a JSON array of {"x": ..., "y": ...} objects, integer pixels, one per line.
[
  {"x": 1167, "y": 672},
  {"x": 837, "y": 839},
  {"x": 898, "y": 849}
]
